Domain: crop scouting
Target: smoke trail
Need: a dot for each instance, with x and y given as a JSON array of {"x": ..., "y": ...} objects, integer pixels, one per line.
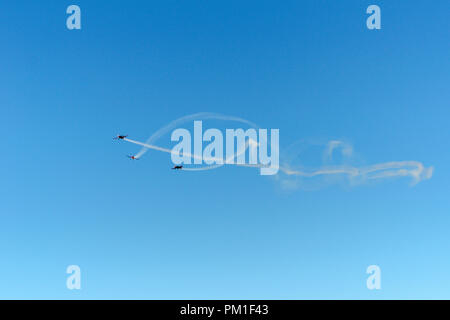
[
  {"x": 193, "y": 156},
  {"x": 353, "y": 174},
  {"x": 196, "y": 116},
  {"x": 148, "y": 146},
  {"x": 413, "y": 169},
  {"x": 203, "y": 168}
]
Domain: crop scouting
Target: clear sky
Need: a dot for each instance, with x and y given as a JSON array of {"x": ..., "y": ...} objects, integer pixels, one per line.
[{"x": 140, "y": 230}]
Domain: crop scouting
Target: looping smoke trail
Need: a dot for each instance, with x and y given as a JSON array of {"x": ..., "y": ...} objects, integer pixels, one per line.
[
  {"x": 355, "y": 175},
  {"x": 196, "y": 116},
  {"x": 389, "y": 169},
  {"x": 414, "y": 169}
]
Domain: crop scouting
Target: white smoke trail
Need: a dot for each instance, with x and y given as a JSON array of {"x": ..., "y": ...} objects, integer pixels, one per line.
[
  {"x": 414, "y": 169},
  {"x": 196, "y": 116},
  {"x": 193, "y": 156},
  {"x": 215, "y": 166},
  {"x": 148, "y": 146},
  {"x": 355, "y": 175}
]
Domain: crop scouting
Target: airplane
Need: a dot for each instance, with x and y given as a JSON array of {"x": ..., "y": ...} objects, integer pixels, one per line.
[
  {"x": 133, "y": 158},
  {"x": 120, "y": 137},
  {"x": 177, "y": 168}
]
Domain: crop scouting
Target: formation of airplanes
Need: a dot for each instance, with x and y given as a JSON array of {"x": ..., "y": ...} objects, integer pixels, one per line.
[{"x": 121, "y": 137}]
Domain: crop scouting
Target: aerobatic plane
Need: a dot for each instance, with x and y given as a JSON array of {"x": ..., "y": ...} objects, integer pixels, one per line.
[
  {"x": 120, "y": 137},
  {"x": 133, "y": 158},
  {"x": 177, "y": 168}
]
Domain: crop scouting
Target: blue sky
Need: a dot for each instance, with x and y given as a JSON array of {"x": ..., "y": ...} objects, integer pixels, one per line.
[{"x": 139, "y": 230}]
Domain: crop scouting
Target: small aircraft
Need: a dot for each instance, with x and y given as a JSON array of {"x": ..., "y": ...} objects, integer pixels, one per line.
[
  {"x": 120, "y": 137},
  {"x": 133, "y": 158},
  {"x": 177, "y": 168}
]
